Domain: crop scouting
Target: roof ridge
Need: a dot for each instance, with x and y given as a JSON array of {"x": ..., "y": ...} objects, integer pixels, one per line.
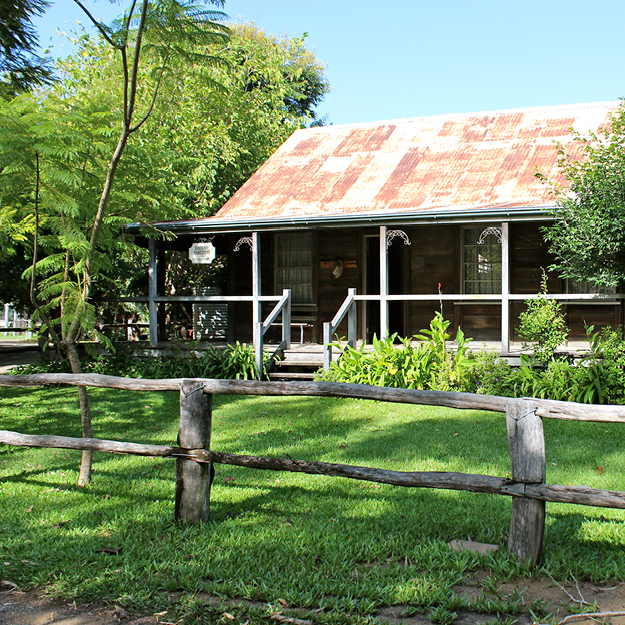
[{"x": 451, "y": 116}]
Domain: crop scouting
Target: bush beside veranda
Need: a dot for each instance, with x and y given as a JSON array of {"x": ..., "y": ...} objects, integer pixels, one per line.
[{"x": 430, "y": 364}]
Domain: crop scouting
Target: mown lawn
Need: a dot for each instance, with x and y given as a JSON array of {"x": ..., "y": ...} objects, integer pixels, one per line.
[{"x": 308, "y": 541}]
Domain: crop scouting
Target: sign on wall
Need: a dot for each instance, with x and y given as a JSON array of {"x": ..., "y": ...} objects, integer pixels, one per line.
[{"x": 202, "y": 253}]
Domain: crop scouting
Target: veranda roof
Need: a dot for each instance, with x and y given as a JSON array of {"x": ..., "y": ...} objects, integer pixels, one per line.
[{"x": 447, "y": 167}]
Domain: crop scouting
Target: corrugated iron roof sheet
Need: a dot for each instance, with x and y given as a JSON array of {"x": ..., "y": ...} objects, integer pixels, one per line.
[{"x": 473, "y": 161}]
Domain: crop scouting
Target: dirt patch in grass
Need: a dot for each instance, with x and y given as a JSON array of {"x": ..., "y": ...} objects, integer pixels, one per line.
[
  {"x": 522, "y": 602},
  {"x": 538, "y": 600},
  {"x": 33, "y": 608}
]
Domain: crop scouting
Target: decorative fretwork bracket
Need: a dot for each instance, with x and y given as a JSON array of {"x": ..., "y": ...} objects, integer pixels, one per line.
[
  {"x": 396, "y": 233},
  {"x": 487, "y": 231},
  {"x": 242, "y": 241}
]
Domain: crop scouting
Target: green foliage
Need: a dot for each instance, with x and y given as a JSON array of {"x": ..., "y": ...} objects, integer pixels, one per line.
[
  {"x": 608, "y": 359},
  {"x": 234, "y": 362},
  {"x": 442, "y": 616},
  {"x": 21, "y": 68},
  {"x": 233, "y": 118},
  {"x": 369, "y": 545},
  {"x": 588, "y": 237},
  {"x": 221, "y": 110},
  {"x": 596, "y": 377},
  {"x": 428, "y": 364},
  {"x": 558, "y": 380},
  {"x": 65, "y": 190},
  {"x": 488, "y": 374},
  {"x": 543, "y": 323}
]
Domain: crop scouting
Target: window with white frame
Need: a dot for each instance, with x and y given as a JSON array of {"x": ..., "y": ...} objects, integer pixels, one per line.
[
  {"x": 481, "y": 259},
  {"x": 294, "y": 265}
]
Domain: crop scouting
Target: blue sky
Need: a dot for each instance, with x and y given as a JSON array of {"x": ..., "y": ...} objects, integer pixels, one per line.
[{"x": 414, "y": 58}]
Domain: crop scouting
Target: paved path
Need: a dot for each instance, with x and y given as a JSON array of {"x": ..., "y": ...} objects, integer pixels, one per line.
[{"x": 15, "y": 352}]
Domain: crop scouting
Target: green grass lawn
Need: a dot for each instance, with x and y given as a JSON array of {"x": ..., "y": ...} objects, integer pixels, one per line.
[{"x": 311, "y": 541}]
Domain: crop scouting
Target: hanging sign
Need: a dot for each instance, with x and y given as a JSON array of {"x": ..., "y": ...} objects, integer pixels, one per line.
[{"x": 202, "y": 253}]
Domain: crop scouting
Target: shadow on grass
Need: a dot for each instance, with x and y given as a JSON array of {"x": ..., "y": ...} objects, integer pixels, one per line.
[{"x": 280, "y": 534}]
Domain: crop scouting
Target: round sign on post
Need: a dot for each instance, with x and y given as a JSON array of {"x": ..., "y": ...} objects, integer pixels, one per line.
[{"x": 202, "y": 253}]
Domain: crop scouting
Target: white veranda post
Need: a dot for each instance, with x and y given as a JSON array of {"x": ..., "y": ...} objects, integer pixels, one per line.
[
  {"x": 256, "y": 311},
  {"x": 152, "y": 292},
  {"x": 383, "y": 282},
  {"x": 505, "y": 288}
]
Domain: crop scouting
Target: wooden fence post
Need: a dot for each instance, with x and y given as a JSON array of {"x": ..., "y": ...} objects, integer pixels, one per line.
[
  {"x": 526, "y": 442},
  {"x": 193, "y": 479}
]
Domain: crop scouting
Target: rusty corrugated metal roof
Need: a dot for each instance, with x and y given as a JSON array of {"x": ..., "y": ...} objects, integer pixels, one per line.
[{"x": 473, "y": 161}]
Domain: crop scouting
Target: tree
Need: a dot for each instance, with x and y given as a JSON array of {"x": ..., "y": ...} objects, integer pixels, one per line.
[
  {"x": 52, "y": 166},
  {"x": 227, "y": 120},
  {"x": 213, "y": 109},
  {"x": 21, "y": 68},
  {"x": 228, "y": 124},
  {"x": 226, "y": 127},
  {"x": 588, "y": 237}
]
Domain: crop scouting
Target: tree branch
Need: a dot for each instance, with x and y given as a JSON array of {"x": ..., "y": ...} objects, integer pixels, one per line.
[
  {"x": 152, "y": 103},
  {"x": 33, "y": 275},
  {"x": 135, "y": 65},
  {"x": 125, "y": 58},
  {"x": 97, "y": 24}
]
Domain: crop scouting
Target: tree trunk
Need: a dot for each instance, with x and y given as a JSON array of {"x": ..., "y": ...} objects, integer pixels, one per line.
[{"x": 84, "y": 478}]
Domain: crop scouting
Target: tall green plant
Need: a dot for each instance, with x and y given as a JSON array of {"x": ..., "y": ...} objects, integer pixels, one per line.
[
  {"x": 426, "y": 363},
  {"x": 543, "y": 323},
  {"x": 588, "y": 235}
]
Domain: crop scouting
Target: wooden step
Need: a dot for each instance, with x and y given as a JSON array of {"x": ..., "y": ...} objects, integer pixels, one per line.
[
  {"x": 287, "y": 375},
  {"x": 300, "y": 363}
]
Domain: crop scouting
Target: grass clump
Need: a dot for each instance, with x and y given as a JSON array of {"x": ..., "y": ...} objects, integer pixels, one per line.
[{"x": 312, "y": 542}]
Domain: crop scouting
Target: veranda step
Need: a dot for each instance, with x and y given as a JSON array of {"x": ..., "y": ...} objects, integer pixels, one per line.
[
  {"x": 299, "y": 363},
  {"x": 286, "y": 375}
]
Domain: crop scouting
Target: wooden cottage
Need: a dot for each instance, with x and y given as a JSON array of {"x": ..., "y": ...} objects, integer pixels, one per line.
[{"x": 388, "y": 220}]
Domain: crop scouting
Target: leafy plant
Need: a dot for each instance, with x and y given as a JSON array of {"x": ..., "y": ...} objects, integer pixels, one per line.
[
  {"x": 597, "y": 377},
  {"x": 234, "y": 362},
  {"x": 428, "y": 364},
  {"x": 488, "y": 374},
  {"x": 588, "y": 234},
  {"x": 543, "y": 323}
]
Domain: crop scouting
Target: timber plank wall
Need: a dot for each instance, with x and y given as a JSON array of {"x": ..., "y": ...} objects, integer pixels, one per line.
[{"x": 434, "y": 256}]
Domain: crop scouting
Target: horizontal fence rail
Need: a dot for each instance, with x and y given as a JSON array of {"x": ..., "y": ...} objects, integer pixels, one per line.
[
  {"x": 194, "y": 458},
  {"x": 544, "y": 407},
  {"x": 417, "y": 479}
]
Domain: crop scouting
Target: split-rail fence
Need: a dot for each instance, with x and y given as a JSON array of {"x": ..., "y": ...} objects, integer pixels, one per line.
[{"x": 193, "y": 456}]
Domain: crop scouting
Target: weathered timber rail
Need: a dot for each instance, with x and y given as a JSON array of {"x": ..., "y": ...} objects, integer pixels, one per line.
[{"x": 193, "y": 456}]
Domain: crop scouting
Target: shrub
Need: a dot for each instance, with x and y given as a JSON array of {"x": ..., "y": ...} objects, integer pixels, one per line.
[
  {"x": 598, "y": 377},
  {"x": 427, "y": 365},
  {"x": 543, "y": 323},
  {"x": 488, "y": 374},
  {"x": 234, "y": 362},
  {"x": 613, "y": 366}
]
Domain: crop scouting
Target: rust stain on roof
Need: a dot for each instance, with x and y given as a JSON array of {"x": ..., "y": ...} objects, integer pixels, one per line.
[{"x": 473, "y": 161}]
